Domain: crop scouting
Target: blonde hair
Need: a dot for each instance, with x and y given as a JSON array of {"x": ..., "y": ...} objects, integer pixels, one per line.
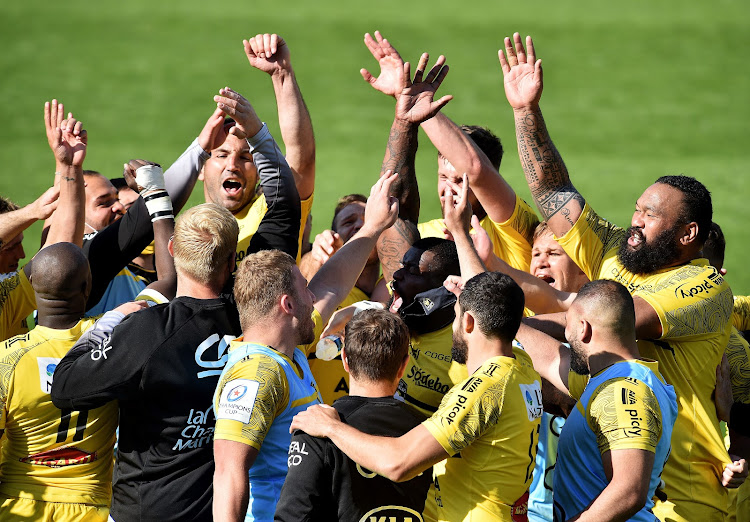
[
  {"x": 263, "y": 277},
  {"x": 205, "y": 237}
]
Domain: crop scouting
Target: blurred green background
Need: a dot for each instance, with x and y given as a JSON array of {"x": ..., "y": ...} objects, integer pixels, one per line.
[{"x": 633, "y": 90}]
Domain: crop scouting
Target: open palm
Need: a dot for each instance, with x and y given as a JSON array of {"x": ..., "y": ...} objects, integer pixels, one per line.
[
  {"x": 391, "y": 80},
  {"x": 522, "y": 72}
]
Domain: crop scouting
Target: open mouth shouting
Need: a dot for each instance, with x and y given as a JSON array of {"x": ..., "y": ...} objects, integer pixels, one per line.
[
  {"x": 396, "y": 300},
  {"x": 232, "y": 187},
  {"x": 635, "y": 237}
]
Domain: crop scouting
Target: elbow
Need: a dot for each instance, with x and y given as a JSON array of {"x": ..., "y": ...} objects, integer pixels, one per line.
[
  {"x": 632, "y": 502},
  {"x": 397, "y": 471}
]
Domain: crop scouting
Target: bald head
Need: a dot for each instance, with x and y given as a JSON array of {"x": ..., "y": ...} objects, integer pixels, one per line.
[
  {"x": 60, "y": 272},
  {"x": 607, "y": 305}
]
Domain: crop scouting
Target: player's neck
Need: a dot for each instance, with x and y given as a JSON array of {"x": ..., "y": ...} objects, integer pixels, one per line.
[
  {"x": 613, "y": 351},
  {"x": 187, "y": 287},
  {"x": 272, "y": 333},
  {"x": 480, "y": 352},
  {"x": 57, "y": 319},
  {"x": 358, "y": 388}
]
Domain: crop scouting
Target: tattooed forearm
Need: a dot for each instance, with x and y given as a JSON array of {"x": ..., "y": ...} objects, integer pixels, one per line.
[
  {"x": 399, "y": 157},
  {"x": 68, "y": 178},
  {"x": 545, "y": 170}
]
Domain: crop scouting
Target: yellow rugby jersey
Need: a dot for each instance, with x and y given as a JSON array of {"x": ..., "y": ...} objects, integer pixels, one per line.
[
  {"x": 694, "y": 305},
  {"x": 17, "y": 301},
  {"x": 249, "y": 219},
  {"x": 491, "y": 419},
  {"x": 431, "y": 372},
  {"x": 272, "y": 396},
  {"x": 511, "y": 239},
  {"x": 332, "y": 379},
  {"x": 741, "y": 313},
  {"x": 50, "y": 454}
]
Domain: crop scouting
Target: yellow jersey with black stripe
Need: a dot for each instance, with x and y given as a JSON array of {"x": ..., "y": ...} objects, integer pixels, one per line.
[
  {"x": 50, "y": 454},
  {"x": 694, "y": 304},
  {"x": 511, "y": 239},
  {"x": 489, "y": 424},
  {"x": 17, "y": 301}
]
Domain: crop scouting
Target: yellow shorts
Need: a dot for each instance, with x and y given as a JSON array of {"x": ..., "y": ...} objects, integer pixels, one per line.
[
  {"x": 38, "y": 510},
  {"x": 687, "y": 511}
]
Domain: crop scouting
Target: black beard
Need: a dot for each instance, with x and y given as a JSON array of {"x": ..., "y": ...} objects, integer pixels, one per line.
[
  {"x": 578, "y": 362},
  {"x": 459, "y": 350},
  {"x": 662, "y": 251}
]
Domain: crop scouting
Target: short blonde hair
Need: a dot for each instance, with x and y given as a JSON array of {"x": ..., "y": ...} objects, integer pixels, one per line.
[
  {"x": 263, "y": 277},
  {"x": 205, "y": 237}
]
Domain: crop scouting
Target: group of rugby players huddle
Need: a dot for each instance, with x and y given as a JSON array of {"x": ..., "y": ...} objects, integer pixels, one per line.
[{"x": 175, "y": 373}]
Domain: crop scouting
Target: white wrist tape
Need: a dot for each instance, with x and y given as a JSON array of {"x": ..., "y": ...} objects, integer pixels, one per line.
[
  {"x": 150, "y": 178},
  {"x": 159, "y": 205}
]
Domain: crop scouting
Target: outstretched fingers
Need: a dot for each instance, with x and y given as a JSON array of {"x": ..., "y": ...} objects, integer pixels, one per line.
[
  {"x": 421, "y": 66},
  {"x": 512, "y": 59},
  {"x": 374, "y": 46},
  {"x": 530, "y": 53},
  {"x": 520, "y": 51}
]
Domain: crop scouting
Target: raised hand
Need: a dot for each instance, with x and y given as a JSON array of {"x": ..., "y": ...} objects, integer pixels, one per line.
[
  {"x": 382, "y": 208},
  {"x": 45, "y": 205},
  {"x": 456, "y": 207},
  {"x": 130, "y": 172},
  {"x": 415, "y": 103},
  {"x": 522, "y": 73},
  {"x": 268, "y": 53},
  {"x": 325, "y": 245},
  {"x": 66, "y": 137},
  {"x": 391, "y": 80},
  {"x": 234, "y": 105},
  {"x": 213, "y": 133}
]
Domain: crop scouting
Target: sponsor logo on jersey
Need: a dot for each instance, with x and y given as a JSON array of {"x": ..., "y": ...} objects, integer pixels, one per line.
[
  {"x": 691, "y": 289},
  {"x": 237, "y": 393},
  {"x": 628, "y": 397},
  {"x": 204, "y": 354},
  {"x": 425, "y": 380},
  {"x": 472, "y": 384},
  {"x": 439, "y": 356},
  {"x": 427, "y": 304},
  {"x": 532, "y": 395},
  {"x": 237, "y": 400},
  {"x": 47, "y": 367},
  {"x": 297, "y": 451},
  {"x": 197, "y": 432},
  {"x": 391, "y": 514},
  {"x": 60, "y": 457},
  {"x": 458, "y": 406},
  {"x": 635, "y": 423}
]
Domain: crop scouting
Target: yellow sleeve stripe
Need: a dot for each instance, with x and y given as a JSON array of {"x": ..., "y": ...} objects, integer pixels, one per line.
[{"x": 221, "y": 434}]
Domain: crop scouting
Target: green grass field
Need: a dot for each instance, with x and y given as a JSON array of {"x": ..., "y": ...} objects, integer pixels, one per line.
[{"x": 633, "y": 90}]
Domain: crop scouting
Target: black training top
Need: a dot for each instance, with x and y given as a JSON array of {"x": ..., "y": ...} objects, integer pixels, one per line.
[
  {"x": 323, "y": 484},
  {"x": 162, "y": 364}
]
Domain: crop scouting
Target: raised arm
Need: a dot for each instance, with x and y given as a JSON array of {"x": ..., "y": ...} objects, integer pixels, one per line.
[
  {"x": 270, "y": 53},
  {"x": 147, "y": 179},
  {"x": 279, "y": 228},
  {"x": 554, "y": 194},
  {"x": 414, "y": 104},
  {"x": 68, "y": 140},
  {"x": 336, "y": 278},
  {"x": 493, "y": 192},
  {"x": 457, "y": 215}
]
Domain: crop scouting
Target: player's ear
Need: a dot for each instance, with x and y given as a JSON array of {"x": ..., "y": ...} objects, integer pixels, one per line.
[
  {"x": 345, "y": 359},
  {"x": 585, "y": 331},
  {"x": 689, "y": 233},
  {"x": 467, "y": 322}
]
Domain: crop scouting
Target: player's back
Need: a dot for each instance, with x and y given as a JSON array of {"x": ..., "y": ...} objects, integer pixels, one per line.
[{"x": 50, "y": 454}]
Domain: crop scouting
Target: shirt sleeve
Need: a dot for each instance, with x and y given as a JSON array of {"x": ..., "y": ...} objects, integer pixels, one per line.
[
  {"x": 279, "y": 228},
  {"x": 576, "y": 384},
  {"x": 306, "y": 493},
  {"x": 17, "y": 301},
  {"x": 590, "y": 240},
  {"x": 466, "y": 412},
  {"x": 624, "y": 414},
  {"x": 101, "y": 366},
  {"x": 249, "y": 397},
  {"x": 511, "y": 239},
  {"x": 180, "y": 177}
]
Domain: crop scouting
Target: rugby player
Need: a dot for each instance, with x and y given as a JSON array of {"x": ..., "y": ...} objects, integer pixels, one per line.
[
  {"x": 322, "y": 482},
  {"x": 161, "y": 366},
  {"x": 658, "y": 260},
  {"x": 267, "y": 379}
]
